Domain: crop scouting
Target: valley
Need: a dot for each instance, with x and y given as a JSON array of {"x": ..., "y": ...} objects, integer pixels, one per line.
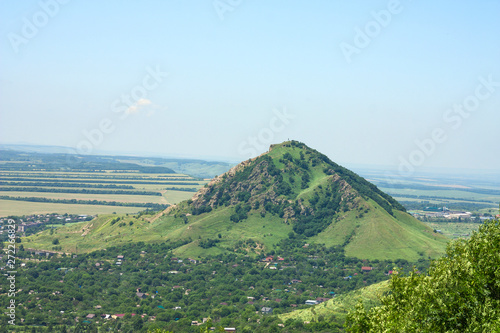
[{"x": 288, "y": 240}]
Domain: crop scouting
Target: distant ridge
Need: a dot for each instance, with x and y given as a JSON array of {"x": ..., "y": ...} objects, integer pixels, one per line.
[{"x": 66, "y": 158}]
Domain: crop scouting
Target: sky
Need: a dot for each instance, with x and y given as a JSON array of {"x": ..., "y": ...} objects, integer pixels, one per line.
[{"x": 405, "y": 84}]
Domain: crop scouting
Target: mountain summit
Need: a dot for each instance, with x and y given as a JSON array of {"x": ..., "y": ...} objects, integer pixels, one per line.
[
  {"x": 295, "y": 189},
  {"x": 295, "y": 182}
]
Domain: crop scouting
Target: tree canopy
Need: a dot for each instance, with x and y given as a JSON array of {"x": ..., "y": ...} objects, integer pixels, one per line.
[{"x": 460, "y": 292}]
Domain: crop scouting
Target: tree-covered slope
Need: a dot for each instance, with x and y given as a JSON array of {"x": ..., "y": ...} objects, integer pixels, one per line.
[{"x": 459, "y": 293}]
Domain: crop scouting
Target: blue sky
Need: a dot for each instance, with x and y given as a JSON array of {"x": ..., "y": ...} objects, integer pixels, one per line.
[{"x": 365, "y": 82}]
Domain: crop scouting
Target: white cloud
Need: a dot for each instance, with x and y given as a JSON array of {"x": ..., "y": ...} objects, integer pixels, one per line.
[
  {"x": 137, "y": 106},
  {"x": 143, "y": 101}
]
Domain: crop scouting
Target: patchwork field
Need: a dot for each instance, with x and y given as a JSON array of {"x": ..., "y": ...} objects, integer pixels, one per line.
[
  {"x": 478, "y": 192},
  {"x": 32, "y": 192},
  {"x": 20, "y": 208}
]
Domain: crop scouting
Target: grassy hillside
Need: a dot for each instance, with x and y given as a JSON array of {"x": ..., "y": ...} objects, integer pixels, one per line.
[
  {"x": 101, "y": 233},
  {"x": 379, "y": 235},
  {"x": 336, "y": 309}
]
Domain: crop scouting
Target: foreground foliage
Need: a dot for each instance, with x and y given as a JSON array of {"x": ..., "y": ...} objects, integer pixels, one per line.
[{"x": 460, "y": 293}]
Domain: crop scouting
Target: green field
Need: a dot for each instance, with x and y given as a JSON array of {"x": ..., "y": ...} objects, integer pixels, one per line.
[
  {"x": 449, "y": 193},
  {"x": 81, "y": 196},
  {"x": 439, "y": 188},
  {"x": 173, "y": 197},
  {"x": 454, "y": 229},
  {"x": 138, "y": 181},
  {"x": 19, "y": 208}
]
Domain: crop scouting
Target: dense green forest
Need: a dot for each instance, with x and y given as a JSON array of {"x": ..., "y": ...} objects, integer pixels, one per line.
[{"x": 231, "y": 289}]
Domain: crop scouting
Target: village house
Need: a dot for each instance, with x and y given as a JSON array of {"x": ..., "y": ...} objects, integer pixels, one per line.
[
  {"x": 322, "y": 299},
  {"x": 266, "y": 310}
]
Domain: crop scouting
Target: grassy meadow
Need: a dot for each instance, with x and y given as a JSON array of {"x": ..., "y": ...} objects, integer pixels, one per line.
[
  {"x": 20, "y": 208},
  {"x": 398, "y": 236},
  {"x": 336, "y": 309},
  {"x": 102, "y": 232}
]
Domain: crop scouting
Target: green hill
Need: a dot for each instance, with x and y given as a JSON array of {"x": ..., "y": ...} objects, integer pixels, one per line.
[
  {"x": 336, "y": 309},
  {"x": 291, "y": 191}
]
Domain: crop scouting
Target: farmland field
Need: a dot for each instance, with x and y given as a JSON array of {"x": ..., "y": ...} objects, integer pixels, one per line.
[
  {"x": 127, "y": 188},
  {"x": 454, "y": 229},
  {"x": 475, "y": 192},
  {"x": 98, "y": 197},
  {"x": 19, "y": 208}
]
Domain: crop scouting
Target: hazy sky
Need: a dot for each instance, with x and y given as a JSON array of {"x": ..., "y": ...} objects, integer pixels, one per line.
[{"x": 409, "y": 84}]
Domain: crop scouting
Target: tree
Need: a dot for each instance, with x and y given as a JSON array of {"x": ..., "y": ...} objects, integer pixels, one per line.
[
  {"x": 460, "y": 293},
  {"x": 206, "y": 328}
]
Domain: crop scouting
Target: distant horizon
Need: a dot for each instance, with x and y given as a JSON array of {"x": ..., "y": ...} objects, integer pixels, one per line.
[
  {"x": 352, "y": 166},
  {"x": 361, "y": 82}
]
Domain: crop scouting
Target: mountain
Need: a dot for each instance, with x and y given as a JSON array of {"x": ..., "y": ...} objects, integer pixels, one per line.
[{"x": 291, "y": 194}]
